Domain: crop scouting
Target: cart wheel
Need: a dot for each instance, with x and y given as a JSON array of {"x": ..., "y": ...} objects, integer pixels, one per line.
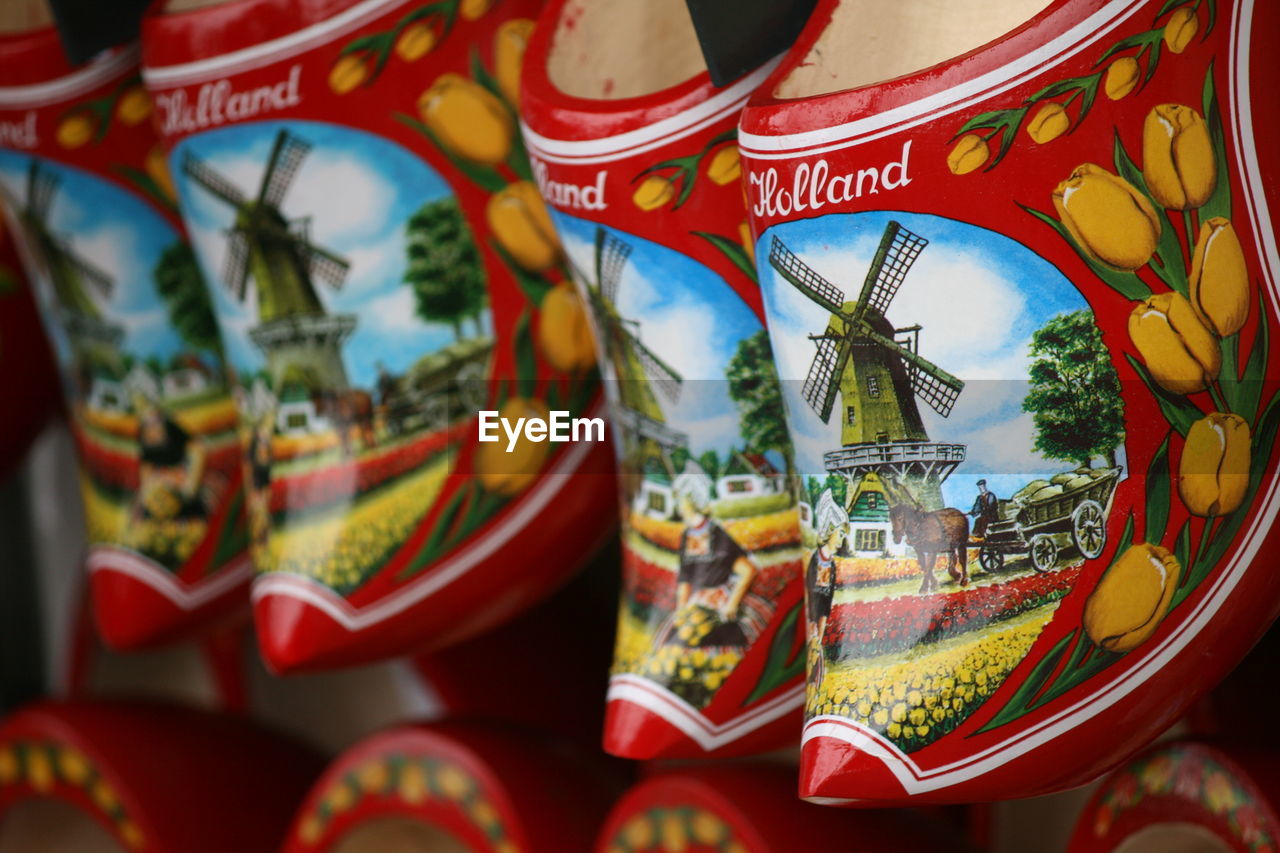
[
  {"x": 435, "y": 412},
  {"x": 1089, "y": 529},
  {"x": 1044, "y": 552},
  {"x": 991, "y": 559}
]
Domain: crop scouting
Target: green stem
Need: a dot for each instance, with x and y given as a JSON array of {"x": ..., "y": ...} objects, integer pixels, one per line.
[
  {"x": 1200, "y": 549},
  {"x": 1191, "y": 234},
  {"x": 1216, "y": 393}
]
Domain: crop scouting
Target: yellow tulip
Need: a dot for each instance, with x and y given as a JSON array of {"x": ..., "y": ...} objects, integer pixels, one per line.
[
  {"x": 509, "y": 44},
  {"x": 521, "y": 224},
  {"x": 708, "y": 829},
  {"x": 472, "y": 9},
  {"x": 310, "y": 829},
  {"x": 75, "y": 131},
  {"x": 744, "y": 236},
  {"x": 158, "y": 170},
  {"x": 413, "y": 784},
  {"x": 73, "y": 766},
  {"x": 654, "y": 191},
  {"x": 725, "y": 165},
  {"x": 340, "y": 798},
  {"x": 373, "y": 777},
  {"x": 1181, "y": 28},
  {"x": 1213, "y": 474},
  {"x": 1049, "y": 122},
  {"x": 40, "y": 770},
  {"x": 1131, "y": 599},
  {"x": 1182, "y": 355},
  {"x": 134, "y": 106},
  {"x": 1122, "y": 77},
  {"x": 1220, "y": 278},
  {"x": 468, "y": 119},
  {"x": 415, "y": 41},
  {"x": 969, "y": 153},
  {"x": 674, "y": 839},
  {"x": 564, "y": 334},
  {"x": 131, "y": 834},
  {"x": 638, "y": 833},
  {"x": 347, "y": 73},
  {"x": 1107, "y": 217},
  {"x": 1177, "y": 157}
]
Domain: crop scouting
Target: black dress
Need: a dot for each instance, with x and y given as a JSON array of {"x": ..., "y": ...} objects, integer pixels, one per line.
[
  {"x": 169, "y": 452},
  {"x": 707, "y": 558},
  {"x": 259, "y": 461},
  {"x": 818, "y": 602}
]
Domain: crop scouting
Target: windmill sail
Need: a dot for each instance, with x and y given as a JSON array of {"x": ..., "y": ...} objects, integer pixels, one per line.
[
  {"x": 808, "y": 282},
  {"x": 929, "y": 382},
  {"x": 211, "y": 180},
  {"x": 611, "y": 258},
  {"x": 286, "y": 157},
  {"x": 659, "y": 373},
  {"x": 101, "y": 281},
  {"x": 897, "y": 251},
  {"x": 235, "y": 274},
  {"x": 820, "y": 386}
]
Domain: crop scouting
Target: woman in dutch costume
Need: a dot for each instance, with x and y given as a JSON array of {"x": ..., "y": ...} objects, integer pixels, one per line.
[
  {"x": 820, "y": 579},
  {"x": 716, "y": 616}
]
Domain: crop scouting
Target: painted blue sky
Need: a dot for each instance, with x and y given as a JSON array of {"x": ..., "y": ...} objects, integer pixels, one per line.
[
  {"x": 689, "y": 316},
  {"x": 359, "y": 190},
  {"x": 978, "y": 295},
  {"x": 115, "y": 231}
]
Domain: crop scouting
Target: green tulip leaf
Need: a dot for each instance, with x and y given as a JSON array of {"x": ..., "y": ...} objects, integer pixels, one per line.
[
  {"x": 1127, "y": 284},
  {"x": 1019, "y": 703},
  {"x": 1158, "y": 494},
  {"x": 1180, "y": 412},
  {"x": 731, "y": 250},
  {"x": 1219, "y": 204}
]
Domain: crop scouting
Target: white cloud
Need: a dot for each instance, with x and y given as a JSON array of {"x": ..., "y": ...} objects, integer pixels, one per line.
[
  {"x": 393, "y": 313},
  {"x": 345, "y": 198}
]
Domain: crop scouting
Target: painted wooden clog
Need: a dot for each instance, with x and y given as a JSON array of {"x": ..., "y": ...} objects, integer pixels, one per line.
[
  {"x": 383, "y": 271},
  {"x": 92, "y": 208},
  {"x": 1183, "y": 796},
  {"x": 454, "y": 787},
  {"x": 27, "y": 374},
  {"x": 752, "y": 808},
  {"x": 636, "y": 158},
  {"x": 1023, "y": 301},
  {"x": 147, "y": 778}
]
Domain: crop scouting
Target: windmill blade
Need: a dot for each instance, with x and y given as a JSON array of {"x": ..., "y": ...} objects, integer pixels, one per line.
[
  {"x": 325, "y": 265},
  {"x": 928, "y": 381},
  {"x": 898, "y": 250},
  {"x": 101, "y": 281},
  {"x": 196, "y": 169},
  {"x": 804, "y": 279},
  {"x": 235, "y": 274},
  {"x": 287, "y": 155},
  {"x": 611, "y": 258},
  {"x": 661, "y": 374},
  {"x": 823, "y": 380}
]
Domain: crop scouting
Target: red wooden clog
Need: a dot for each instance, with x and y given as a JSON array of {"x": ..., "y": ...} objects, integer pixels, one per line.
[
  {"x": 454, "y": 786},
  {"x": 1023, "y": 301},
  {"x": 1186, "y": 795},
  {"x": 633, "y": 149},
  {"x": 91, "y": 204},
  {"x": 383, "y": 272},
  {"x": 153, "y": 778},
  {"x": 751, "y": 808}
]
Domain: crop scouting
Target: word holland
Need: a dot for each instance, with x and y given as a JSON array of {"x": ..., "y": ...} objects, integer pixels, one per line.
[
  {"x": 216, "y": 103},
  {"x": 561, "y": 194},
  {"x": 20, "y": 134},
  {"x": 559, "y": 428},
  {"x": 813, "y": 187}
]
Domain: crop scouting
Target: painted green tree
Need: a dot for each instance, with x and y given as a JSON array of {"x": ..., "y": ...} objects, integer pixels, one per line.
[
  {"x": 755, "y": 388},
  {"x": 186, "y": 298},
  {"x": 1075, "y": 393},
  {"x": 444, "y": 269},
  {"x": 710, "y": 462}
]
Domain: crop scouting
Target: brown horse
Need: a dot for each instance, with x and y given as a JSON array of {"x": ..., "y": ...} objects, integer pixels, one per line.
[{"x": 943, "y": 531}]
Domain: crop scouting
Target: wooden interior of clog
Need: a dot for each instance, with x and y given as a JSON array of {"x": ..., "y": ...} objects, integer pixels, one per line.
[
  {"x": 191, "y": 5},
  {"x": 396, "y": 835},
  {"x": 610, "y": 49},
  {"x": 1173, "y": 838},
  {"x": 869, "y": 41},
  {"x": 23, "y": 16},
  {"x": 43, "y": 825}
]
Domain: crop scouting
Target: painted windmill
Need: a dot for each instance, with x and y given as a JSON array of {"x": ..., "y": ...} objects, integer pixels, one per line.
[
  {"x": 638, "y": 369},
  {"x": 74, "y": 279},
  {"x": 877, "y": 373},
  {"x": 301, "y": 340}
]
